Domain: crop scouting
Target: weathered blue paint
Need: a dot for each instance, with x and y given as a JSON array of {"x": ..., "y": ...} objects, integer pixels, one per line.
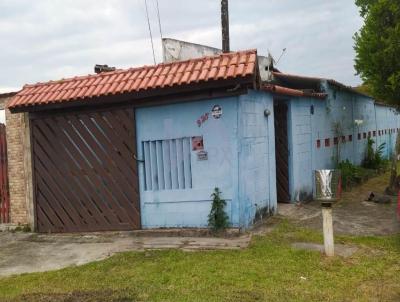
[
  {"x": 190, "y": 207},
  {"x": 257, "y": 175},
  {"x": 241, "y": 160},
  {"x": 241, "y": 151},
  {"x": 340, "y": 108}
]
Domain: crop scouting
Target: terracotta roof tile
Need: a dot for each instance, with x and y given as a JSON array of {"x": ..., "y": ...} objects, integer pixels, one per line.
[
  {"x": 223, "y": 66},
  {"x": 292, "y": 92}
]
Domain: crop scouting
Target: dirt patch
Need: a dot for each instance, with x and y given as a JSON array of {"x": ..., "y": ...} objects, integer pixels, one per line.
[
  {"x": 352, "y": 214},
  {"x": 79, "y": 296},
  {"x": 28, "y": 252},
  {"x": 340, "y": 249}
]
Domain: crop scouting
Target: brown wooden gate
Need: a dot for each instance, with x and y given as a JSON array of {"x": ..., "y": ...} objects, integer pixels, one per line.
[
  {"x": 281, "y": 151},
  {"x": 4, "y": 192},
  {"x": 84, "y": 171}
]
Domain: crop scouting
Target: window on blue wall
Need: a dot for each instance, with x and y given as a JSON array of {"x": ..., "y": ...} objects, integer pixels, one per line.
[{"x": 167, "y": 164}]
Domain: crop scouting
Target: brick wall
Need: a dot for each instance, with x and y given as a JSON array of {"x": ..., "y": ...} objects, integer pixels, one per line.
[{"x": 15, "y": 128}]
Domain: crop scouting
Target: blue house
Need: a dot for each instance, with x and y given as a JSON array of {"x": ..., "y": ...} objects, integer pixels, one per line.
[
  {"x": 145, "y": 147},
  {"x": 329, "y": 122}
]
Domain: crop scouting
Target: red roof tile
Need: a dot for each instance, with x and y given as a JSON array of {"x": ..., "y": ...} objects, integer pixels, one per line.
[
  {"x": 292, "y": 92},
  {"x": 225, "y": 66}
]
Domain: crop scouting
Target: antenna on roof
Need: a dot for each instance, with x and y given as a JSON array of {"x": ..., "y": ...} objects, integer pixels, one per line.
[
  {"x": 159, "y": 19},
  {"x": 151, "y": 36},
  {"x": 283, "y": 52}
]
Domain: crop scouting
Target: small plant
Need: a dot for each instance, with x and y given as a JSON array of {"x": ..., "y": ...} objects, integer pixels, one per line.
[
  {"x": 374, "y": 159},
  {"x": 351, "y": 174},
  {"x": 218, "y": 219},
  {"x": 22, "y": 228}
]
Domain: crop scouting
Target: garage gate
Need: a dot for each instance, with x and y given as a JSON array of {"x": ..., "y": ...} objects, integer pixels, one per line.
[{"x": 85, "y": 174}]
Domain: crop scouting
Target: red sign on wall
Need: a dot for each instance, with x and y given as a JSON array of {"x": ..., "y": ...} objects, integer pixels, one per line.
[{"x": 197, "y": 143}]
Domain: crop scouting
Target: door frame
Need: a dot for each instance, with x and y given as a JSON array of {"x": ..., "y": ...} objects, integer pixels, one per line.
[{"x": 289, "y": 160}]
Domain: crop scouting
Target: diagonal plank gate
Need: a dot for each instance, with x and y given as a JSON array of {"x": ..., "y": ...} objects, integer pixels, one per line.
[
  {"x": 85, "y": 175},
  {"x": 4, "y": 192}
]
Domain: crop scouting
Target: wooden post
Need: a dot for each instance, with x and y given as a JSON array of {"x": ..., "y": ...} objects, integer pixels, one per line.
[
  {"x": 328, "y": 230},
  {"x": 225, "y": 25}
]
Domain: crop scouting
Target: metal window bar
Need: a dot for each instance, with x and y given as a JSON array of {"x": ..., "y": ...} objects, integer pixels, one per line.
[{"x": 167, "y": 164}]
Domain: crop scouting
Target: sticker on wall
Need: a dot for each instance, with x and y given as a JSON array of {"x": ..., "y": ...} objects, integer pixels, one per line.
[
  {"x": 202, "y": 119},
  {"x": 197, "y": 143},
  {"x": 202, "y": 155},
  {"x": 216, "y": 112}
]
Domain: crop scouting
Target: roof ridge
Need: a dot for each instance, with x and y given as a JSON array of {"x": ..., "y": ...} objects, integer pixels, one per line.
[
  {"x": 232, "y": 65},
  {"x": 132, "y": 69}
]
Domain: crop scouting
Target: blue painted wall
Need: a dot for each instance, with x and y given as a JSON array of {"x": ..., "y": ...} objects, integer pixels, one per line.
[
  {"x": 343, "y": 108},
  {"x": 241, "y": 160},
  {"x": 240, "y": 148},
  {"x": 190, "y": 207},
  {"x": 257, "y": 175}
]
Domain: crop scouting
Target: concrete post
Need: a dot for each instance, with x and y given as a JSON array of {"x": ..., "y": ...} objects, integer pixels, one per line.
[{"x": 328, "y": 230}]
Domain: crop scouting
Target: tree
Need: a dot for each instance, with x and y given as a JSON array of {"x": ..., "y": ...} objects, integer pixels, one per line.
[
  {"x": 394, "y": 182},
  {"x": 377, "y": 47}
]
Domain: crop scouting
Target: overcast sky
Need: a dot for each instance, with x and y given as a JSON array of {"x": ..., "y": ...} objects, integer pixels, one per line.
[{"x": 51, "y": 39}]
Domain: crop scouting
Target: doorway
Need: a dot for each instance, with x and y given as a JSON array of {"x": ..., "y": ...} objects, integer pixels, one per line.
[{"x": 281, "y": 150}]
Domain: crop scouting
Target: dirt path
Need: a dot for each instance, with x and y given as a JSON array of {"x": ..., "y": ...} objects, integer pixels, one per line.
[{"x": 352, "y": 215}]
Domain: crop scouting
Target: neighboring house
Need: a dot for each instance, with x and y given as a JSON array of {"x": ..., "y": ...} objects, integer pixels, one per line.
[
  {"x": 145, "y": 147},
  {"x": 332, "y": 125}
]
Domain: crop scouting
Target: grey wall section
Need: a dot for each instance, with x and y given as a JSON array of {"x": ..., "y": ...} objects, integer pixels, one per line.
[
  {"x": 308, "y": 134},
  {"x": 176, "y": 50},
  {"x": 257, "y": 174}
]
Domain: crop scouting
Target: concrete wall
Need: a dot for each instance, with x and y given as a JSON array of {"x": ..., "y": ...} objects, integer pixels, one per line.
[
  {"x": 300, "y": 149},
  {"x": 241, "y": 161},
  {"x": 388, "y": 118},
  {"x": 312, "y": 140},
  {"x": 176, "y": 50},
  {"x": 257, "y": 174},
  {"x": 190, "y": 207}
]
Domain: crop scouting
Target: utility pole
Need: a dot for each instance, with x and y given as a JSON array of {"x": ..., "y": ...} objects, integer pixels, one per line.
[{"x": 225, "y": 25}]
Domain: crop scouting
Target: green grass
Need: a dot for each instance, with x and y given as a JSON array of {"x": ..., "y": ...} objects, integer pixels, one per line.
[{"x": 269, "y": 270}]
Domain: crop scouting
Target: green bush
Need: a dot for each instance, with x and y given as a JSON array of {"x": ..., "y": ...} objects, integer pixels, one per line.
[
  {"x": 218, "y": 219},
  {"x": 351, "y": 174},
  {"x": 374, "y": 159}
]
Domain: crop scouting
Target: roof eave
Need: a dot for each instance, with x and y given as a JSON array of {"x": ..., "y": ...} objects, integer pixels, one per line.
[{"x": 231, "y": 86}]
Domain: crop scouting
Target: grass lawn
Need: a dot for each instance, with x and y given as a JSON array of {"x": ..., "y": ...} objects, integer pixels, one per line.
[{"x": 270, "y": 270}]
